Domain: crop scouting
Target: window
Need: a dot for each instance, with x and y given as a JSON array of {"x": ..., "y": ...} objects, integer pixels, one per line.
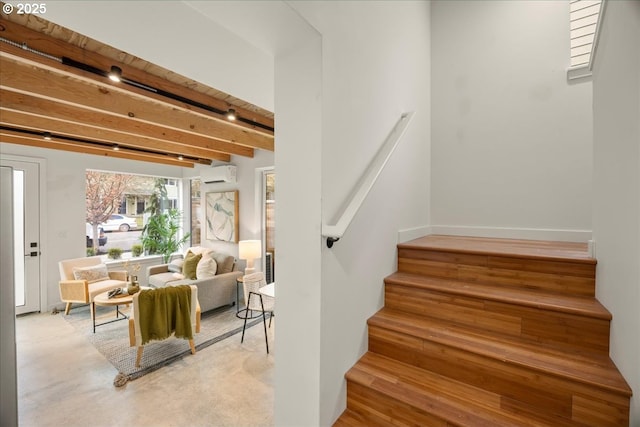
[
  {"x": 117, "y": 203},
  {"x": 583, "y": 17}
]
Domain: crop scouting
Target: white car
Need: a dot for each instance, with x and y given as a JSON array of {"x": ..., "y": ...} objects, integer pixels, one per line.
[
  {"x": 102, "y": 239},
  {"x": 117, "y": 222}
]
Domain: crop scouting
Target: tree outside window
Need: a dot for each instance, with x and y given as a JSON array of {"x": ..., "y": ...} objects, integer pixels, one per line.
[{"x": 104, "y": 194}]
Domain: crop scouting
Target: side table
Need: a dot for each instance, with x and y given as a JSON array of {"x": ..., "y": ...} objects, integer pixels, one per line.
[
  {"x": 103, "y": 299},
  {"x": 243, "y": 313}
]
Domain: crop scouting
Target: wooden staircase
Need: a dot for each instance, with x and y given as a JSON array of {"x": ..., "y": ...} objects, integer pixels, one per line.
[{"x": 488, "y": 332}]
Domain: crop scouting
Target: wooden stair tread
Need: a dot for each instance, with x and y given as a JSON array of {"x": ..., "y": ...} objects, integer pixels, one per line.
[
  {"x": 457, "y": 403},
  {"x": 591, "y": 370},
  {"x": 535, "y": 298},
  {"x": 351, "y": 418},
  {"x": 534, "y": 249}
]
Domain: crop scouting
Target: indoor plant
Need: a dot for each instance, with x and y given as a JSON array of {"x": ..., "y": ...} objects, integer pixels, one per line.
[{"x": 161, "y": 234}]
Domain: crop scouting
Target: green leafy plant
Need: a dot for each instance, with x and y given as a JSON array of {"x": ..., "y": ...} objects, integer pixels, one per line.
[
  {"x": 114, "y": 253},
  {"x": 136, "y": 250},
  {"x": 161, "y": 235},
  {"x": 91, "y": 251}
]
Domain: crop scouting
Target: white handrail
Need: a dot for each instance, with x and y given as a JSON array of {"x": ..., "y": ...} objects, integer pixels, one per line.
[{"x": 333, "y": 233}]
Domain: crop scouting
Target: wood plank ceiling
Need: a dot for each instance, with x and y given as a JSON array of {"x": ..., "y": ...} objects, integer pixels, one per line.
[{"x": 55, "y": 93}]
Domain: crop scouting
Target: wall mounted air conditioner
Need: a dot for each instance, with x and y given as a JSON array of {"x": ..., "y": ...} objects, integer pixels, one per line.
[{"x": 215, "y": 174}]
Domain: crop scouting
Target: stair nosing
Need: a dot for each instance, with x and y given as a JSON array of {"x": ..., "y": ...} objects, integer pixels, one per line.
[
  {"x": 420, "y": 281},
  {"x": 505, "y": 356}
]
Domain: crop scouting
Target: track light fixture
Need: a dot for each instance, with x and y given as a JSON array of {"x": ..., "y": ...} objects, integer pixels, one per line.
[
  {"x": 47, "y": 136},
  {"x": 231, "y": 114},
  {"x": 115, "y": 74}
]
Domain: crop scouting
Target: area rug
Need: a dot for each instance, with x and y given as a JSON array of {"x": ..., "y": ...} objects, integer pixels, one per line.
[{"x": 112, "y": 339}]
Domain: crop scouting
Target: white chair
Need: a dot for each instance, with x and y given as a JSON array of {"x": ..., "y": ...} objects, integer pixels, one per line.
[
  {"x": 81, "y": 279},
  {"x": 155, "y": 306},
  {"x": 257, "y": 301}
]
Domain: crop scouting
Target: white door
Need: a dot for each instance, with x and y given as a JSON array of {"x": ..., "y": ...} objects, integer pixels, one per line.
[{"x": 26, "y": 231}]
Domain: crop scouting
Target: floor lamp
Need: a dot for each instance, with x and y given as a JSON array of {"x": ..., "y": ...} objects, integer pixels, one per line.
[{"x": 250, "y": 250}]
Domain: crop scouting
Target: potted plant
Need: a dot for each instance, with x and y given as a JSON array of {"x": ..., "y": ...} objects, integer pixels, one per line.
[
  {"x": 136, "y": 250},
  {"x": 115, "y": 253},
  {"x": 161, "y": 234}
]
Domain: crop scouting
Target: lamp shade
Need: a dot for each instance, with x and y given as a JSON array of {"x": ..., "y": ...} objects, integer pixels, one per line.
[{"x": 249, "y": 249}]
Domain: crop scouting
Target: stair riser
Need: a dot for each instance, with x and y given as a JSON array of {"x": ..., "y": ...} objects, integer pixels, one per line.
[
  {"x": 375, "y": 406},
  {"x": 570, "y": 331},
  {"x": 556, "y": 276},
  {"x": 521, "y": 388}
]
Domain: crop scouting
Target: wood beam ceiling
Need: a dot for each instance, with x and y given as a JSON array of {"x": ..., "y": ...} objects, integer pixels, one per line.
[{"x": 67, "y": 94}]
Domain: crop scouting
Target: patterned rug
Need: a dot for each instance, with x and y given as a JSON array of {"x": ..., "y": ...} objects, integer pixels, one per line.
[{"x": 112, "y": 339}]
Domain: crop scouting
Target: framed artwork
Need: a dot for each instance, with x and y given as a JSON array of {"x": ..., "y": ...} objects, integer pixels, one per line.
[{"x": 222, "y": 216}]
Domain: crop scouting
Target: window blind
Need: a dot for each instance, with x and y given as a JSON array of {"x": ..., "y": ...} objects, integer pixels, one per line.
[{"x": 583, "y": 19}]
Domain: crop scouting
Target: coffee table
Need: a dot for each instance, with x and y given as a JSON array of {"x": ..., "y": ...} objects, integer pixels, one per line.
[{"x": 103, "y": 299}]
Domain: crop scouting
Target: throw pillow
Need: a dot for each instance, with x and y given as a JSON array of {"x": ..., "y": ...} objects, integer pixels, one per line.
[
  {"x": 190, "y": 265},
  {"x": 175, "y": 266},
  {"x": 199, "y": 250},
  {"x": 225, "y": 262},
  {"x": 206, "y": 268},
  {"x": 91, "y": 274}
]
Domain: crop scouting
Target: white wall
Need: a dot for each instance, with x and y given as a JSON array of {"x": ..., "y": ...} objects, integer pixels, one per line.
[
  {"x": 8, "y": 368},
  {"x": 511, "y": 138},
  {"x": 298, "y": 218},
  {"x": 616, "y": 207},
  {"x": 375, "y": 65}
]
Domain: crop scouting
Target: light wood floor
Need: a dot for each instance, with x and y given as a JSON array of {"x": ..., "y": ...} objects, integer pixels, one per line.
[{"x": 64, "y": 381}]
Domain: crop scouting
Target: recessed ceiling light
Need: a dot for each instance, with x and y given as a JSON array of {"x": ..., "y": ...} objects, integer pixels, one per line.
[{"x": 115, "y": 74}]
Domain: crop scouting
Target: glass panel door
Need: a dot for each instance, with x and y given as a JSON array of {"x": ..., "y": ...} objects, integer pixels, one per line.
[{"x": 26, "y": 232}]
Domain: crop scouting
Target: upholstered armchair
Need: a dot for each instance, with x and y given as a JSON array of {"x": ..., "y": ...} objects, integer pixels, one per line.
[
  {"x": 161, "y": 313},
  {"x": 81, "y": 279}
]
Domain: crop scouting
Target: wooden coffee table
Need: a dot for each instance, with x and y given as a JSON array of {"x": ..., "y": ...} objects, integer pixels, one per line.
[{"x": 103, "y": 299}]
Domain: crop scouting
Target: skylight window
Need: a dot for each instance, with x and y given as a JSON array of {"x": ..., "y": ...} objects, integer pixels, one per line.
[{"x": 583, "y": 17}]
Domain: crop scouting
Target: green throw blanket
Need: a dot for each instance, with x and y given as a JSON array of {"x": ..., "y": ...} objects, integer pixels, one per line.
[{"x": 165, "y": 311}]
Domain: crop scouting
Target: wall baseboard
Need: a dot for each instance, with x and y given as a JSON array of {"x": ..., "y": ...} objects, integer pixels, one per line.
[
  {"x": 413, "y": 233},
  {"x": 582, "y": 236}
]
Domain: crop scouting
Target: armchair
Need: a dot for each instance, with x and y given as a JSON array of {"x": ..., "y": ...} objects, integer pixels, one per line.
[
  {"x": 160, "y": 313},
  {"x": 81, "y": 279}
]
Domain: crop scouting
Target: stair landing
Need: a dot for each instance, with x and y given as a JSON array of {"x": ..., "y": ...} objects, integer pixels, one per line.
[{"x": 540, "y": 249}]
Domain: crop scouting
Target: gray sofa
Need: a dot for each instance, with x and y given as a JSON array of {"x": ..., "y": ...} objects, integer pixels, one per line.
[{"x": 213, "y": 292}]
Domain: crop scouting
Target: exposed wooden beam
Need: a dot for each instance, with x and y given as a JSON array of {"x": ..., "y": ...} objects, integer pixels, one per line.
[
  {"x": 49, "y": 40},
  {"x": 12, "y": 137},
  {"x": 47, "y": 108},
  {"x": 78, "y": 130},
  {"x": 94, "y": 96}
]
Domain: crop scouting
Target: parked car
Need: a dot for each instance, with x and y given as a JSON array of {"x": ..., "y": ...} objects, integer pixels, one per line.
[
  {"x": 102, "y": 239},
  {"x": 117, "y": 222}
]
